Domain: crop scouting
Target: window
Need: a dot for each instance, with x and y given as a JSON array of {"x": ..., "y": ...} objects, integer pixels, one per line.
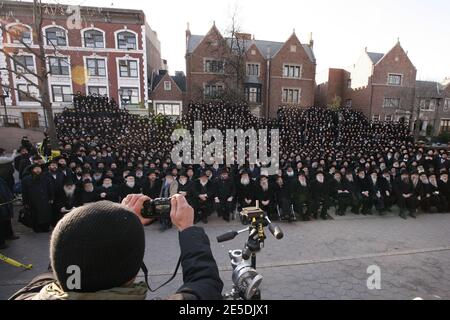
[
  {"x": 59, "y": 66},
  {"x": 61, "y": 94},
  {"x": 291, "y": 95},
  {"x": 214, "y": 66},
  {"x": 128, "y": 68},
  {"x": 96, "y": 67},
  {"x": 391, "y": 102},
  {"x": 446, "y": 105},
  {"x": 99, "y": 91},
  {"x": 376, "y": 117},
  {"x": 293, "y": 48},
  {"x": 24, "y": 64},
  {"x": 24, "y": 93},
  {"x": 433, "y": 104},
  {"x": 213, "y": 90},
  {"x": 427, "y": 105},
  {"x": 20, "y": 34},
  {"x": 168, "y": 109},
  {"x": 349, "y": 83},
  {"x": 253, "y": 69},
  {"x": 290, "y": 71},
  {"x": 129, "y": 95},
  {"x": 388, "y": 117},
  {"x": 126, "y": 40},
  {"x": 445, "y": 125},
  {"x": 56, "y": 37},
  {"x": 167, "y": 85},
  {"x": 253, "y": 94},
  {"x": 395, "y": 79},
  {"x": 93, "y": 39},
  {"x": 348, "y": 103}
]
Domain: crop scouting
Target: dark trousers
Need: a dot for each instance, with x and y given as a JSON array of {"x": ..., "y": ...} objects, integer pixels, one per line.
[
  {"x": 284, "y": 207},
  {"x": 6, "y": 230},
  {"x": 302, "y": 208},
  {"x": 315, "y": 205},
  {"x": 346, "y": 200},
  {"x": 224, "y": 208},
  {"x": 407, "y": 203},
  {"x": 202, "y": 211},
  {"x": 437, "y": 201}
]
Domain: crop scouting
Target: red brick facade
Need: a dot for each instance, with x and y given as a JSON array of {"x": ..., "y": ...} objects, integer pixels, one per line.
[
  {"x": 380, "y": 85},
  {"x": 109, "y": 23},
  {"x": 266, "y": 85}
]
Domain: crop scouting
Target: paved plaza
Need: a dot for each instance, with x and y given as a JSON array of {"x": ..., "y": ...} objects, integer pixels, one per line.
[{"x": 315, "y": 260}]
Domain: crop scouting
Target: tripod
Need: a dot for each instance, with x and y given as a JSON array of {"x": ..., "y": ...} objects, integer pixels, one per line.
[{"x": 246, "y": 280}]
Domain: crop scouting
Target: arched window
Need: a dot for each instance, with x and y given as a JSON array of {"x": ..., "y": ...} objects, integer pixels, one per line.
[
  {"x": 126, "y": 40},
  {"x": 56, "y": 36},
  {"x": 94, "y": 39},
  {"x": 20, "y": 33}
]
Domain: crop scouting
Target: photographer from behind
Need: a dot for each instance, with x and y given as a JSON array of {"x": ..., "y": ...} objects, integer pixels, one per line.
[{"x": 105, "y": 242}]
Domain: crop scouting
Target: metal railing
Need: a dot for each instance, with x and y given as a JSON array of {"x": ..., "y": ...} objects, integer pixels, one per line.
[{"x": 9, "y": 121}]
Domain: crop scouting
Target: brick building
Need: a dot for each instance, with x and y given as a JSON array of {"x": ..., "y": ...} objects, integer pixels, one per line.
[
  {"x": 276, "y": 73},
  {"x": 380, "y": 85},
  {"x": 432, "y": 107},
  {"x": 168, "y": 93},
  {"x": 114, "y": 53}
]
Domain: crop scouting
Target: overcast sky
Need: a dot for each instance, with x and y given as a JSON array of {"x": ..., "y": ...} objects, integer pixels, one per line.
[{"x": 341, "y": 29}]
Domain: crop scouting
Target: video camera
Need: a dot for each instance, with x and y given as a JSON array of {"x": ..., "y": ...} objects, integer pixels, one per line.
[{"x": 156, "y": 208}]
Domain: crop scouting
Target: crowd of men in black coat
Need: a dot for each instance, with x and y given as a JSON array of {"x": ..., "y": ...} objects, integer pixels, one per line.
[{"x": 327, "y": 158}]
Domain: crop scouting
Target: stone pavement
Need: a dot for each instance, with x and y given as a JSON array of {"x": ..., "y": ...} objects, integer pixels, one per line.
[{"x": 315, "y": 260}]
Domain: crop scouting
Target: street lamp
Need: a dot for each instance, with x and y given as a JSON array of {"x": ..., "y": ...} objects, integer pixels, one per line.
[{"x": 4, "y": 95}]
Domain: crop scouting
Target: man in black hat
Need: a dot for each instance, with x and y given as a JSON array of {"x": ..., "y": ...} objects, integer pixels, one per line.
[
  {"x": 203, "y": 198},
  {"x": 301, "y": 196},
  {"x": 225, "y": 194},
  {"x": 186, "y": 187},
  {"x": 405, "y": 194},
  {"x": 321, "y": 196},
  {"x": 364, "y": 189},
  {"x": 38, "y": 196},
  {"x": 108, "y": 190},
  {"x": 129, "y": 186},
  {"x": 65, "y": 201},
  {"x": 152, "y": 185},
  {"x": 245, "y": 193},
  {"x": 87, "y": 194},
  {"x": 266, "y": 196}
]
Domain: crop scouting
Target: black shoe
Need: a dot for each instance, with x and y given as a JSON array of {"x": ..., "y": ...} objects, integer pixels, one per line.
[
  {"x": 205, "y": 220},
  {"x": 412, "y": 215},
  {"x": 3, "y": 246},
  {"x": 306, "y": 218},
  {"x": 226, "y": 218},
  {"x": 403, "y": 216},
  {"x": 13, "y": 237}
]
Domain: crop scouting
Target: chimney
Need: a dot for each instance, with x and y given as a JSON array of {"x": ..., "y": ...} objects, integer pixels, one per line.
[
  {"x": 268, "y": 52},
  {"x": 243, "y": 36},
  {"x": 188, "y": 35},
  {"x": 311, "y": 41}
]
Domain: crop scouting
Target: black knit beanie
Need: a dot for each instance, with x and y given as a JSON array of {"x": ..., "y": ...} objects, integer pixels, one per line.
[{"x": 105, "y": 240}]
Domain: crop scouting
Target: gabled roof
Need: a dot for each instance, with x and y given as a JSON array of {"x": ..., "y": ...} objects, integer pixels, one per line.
[
  {"x": 428, "y": 89},
  {"x": 262, "y": 45},
  {"x": 179, "y": 80},
  {"x": 375, "y": 56}
]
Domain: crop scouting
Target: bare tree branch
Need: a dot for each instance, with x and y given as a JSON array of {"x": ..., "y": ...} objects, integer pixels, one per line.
[
  {"x": 27, "y": 94},
  {"x": 19, "y": 74}
]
